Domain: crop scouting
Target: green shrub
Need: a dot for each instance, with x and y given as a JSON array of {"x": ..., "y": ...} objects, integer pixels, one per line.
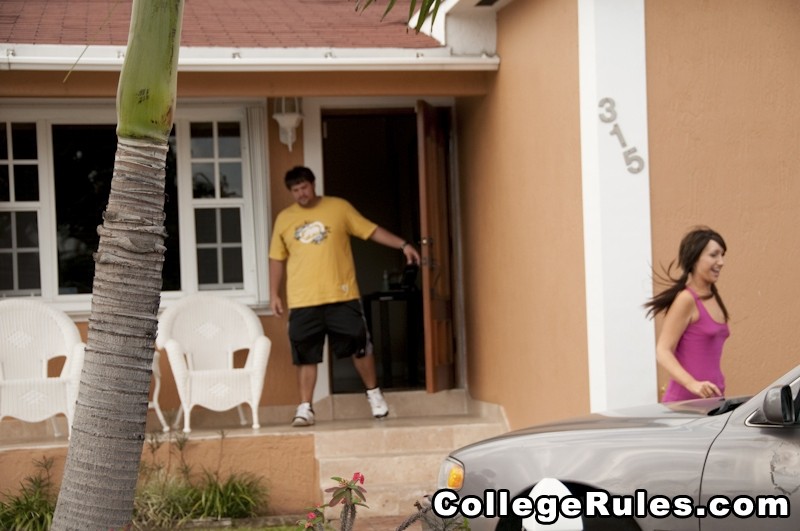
[
  {"x": 169, "y": 495},
  {"x": 239, "y": 496},
  {"x": 164, "y": 502},
  {"x": 32, "y": 508}
]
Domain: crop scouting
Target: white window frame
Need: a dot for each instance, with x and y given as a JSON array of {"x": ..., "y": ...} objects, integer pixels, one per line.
[
  {"x": 255, "y": 209},
  {"x": 14, "y": 206}
]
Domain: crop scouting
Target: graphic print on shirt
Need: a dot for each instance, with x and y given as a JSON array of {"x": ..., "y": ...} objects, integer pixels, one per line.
[{"x": 312, "y": 232}]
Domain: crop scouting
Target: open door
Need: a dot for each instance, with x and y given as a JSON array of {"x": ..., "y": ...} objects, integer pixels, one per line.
[{"x": 433, "y": 131}]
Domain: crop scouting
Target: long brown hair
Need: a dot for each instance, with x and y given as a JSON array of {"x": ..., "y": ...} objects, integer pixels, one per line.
[{"x": 691, "y": 248}]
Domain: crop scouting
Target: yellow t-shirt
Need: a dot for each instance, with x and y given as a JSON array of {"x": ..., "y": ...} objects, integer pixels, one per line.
[{"x": 315, "y": 242}]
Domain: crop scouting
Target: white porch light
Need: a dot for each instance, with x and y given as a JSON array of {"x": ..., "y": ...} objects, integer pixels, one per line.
[{"x": 288, "y": 114}]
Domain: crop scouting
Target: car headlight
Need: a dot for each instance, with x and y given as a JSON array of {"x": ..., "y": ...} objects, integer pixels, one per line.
[{"x": 451, "y": 474}]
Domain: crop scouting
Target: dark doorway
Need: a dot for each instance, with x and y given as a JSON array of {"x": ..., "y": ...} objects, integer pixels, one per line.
[{"x": 370, "y": 159}]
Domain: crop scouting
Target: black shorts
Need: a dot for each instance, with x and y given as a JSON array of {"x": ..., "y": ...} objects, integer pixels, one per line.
[{"x": 342, "y": 322}]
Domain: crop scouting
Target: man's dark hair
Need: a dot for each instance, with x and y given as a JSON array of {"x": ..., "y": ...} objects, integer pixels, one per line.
[{"x": 297, "y": 175}]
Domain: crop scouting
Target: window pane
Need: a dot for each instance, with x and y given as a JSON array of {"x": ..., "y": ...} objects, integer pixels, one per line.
[
  {"x": 230, "y": 179},
  {"x": 207, "y": 266},
  {"x": 4, "y": 189},
  {"x": 83, "y": 159},
  {"x": 229, "y": 140},
  {"x": 26, "y": 182},
  {"x": 5, "y": 230},
  {"x": 23, "y": 140},
  {"x": 232, "y": 265},
  {"x": 172, "y": 259},
  {"x": 6, "y": 272},
  {"x": 3, "y": 142},
  {"x": 203, "y": 180},
  {"x": 27, "y": 230},
  {"x": 231, "y": 229},
  {"x": 29, "y": 271},
  {"x": 202, "y": 140},
  {"x": 205, "y": 225}
]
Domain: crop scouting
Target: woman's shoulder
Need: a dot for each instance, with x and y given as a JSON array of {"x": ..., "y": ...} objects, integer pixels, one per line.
[
  {"x": 685, "y": 295},
  {"x": 684, "y": 301}
]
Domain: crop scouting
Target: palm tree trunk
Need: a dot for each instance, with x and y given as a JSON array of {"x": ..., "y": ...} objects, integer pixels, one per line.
[{"x": 108, "y": 429}]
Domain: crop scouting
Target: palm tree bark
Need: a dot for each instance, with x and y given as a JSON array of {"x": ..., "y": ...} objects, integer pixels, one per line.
[{"x": 108, "y": 430}]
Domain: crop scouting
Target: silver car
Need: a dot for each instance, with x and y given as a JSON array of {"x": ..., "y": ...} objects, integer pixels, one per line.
[{"x": 710, "y": 464}]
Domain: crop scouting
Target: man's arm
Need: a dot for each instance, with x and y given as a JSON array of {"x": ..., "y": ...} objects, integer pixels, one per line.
[
  {"x": 384, "y": 237},
  {"x": 277, "y": 269}
]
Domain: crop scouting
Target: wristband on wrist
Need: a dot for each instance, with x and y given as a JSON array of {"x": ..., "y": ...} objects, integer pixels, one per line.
[{"x": 403, "y": 246}]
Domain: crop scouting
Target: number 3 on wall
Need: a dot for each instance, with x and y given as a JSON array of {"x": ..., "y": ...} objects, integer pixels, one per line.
[{"x": 608, "y": 115}]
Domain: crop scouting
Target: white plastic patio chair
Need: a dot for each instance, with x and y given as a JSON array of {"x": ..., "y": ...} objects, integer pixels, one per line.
[
  {"x": 31, "y": 334},
  {"x": 200, "y": 334},
  {"x": 154, "y": 404}
]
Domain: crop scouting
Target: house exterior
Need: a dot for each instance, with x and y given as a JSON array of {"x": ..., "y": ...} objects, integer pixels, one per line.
[{"x": 586, "y": 137}]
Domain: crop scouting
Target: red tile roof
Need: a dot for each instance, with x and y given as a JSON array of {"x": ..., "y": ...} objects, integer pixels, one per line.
[{"x": 221, "y": 23}]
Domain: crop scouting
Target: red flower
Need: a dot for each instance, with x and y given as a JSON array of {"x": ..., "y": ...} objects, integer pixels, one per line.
[
  {"x": 311, "y": 516},
  {"x": 358, "y": 477}
]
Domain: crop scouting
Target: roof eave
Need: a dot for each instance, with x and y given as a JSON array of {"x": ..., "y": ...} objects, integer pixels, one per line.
[{"x": 218, "y": 59}]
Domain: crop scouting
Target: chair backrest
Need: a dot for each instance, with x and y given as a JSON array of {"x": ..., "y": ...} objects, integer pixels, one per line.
[
  {"x": 209, "y": 328},
  {"x": 31, "y": 333}
]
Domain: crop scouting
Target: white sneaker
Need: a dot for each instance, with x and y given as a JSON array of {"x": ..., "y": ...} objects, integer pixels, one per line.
[
  {"x": 378, "y": 404},
  {"x": 304, "y": 416}
]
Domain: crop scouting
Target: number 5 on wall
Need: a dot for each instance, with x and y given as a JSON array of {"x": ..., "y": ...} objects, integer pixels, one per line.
[{"x": 634, "y": 162}]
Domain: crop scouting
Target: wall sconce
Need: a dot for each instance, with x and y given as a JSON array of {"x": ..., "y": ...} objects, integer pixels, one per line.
[{"x": 288, "y": 114}]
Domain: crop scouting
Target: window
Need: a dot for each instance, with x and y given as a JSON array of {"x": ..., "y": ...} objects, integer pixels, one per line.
[
  {"x": 56, "y": 165},
  {"x": 217, "y": 201},
  {"x": 19, "y": 209}
]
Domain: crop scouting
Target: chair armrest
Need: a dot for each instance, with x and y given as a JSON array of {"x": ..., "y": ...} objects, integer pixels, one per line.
[
  {"x": 258, "y": 356},
  {"x": 180, "y": 369},
  {"x": 176, "y": 357},
  {"x": 257, "y": 361},
  {"x": 74, "y": 365}
]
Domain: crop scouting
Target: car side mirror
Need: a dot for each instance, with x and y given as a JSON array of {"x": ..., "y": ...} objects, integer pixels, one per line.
[{"x": 778, "y": 406}]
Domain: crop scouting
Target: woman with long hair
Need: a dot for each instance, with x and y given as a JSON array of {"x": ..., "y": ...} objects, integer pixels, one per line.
[{"x": 695, "y": 323}]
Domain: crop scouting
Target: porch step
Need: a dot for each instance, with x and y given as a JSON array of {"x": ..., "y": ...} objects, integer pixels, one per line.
[
  {"x": 400, "y": 456},
  {"x": 15, "y": 432}
]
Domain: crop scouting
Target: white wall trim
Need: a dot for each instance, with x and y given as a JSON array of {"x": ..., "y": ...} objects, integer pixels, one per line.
[
  {"x": 616, "y": 202},
  {"x": 21, "y": 56}
]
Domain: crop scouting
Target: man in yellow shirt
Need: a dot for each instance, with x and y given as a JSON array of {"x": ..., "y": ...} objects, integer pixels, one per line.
[{"x": 311, "y": 247}]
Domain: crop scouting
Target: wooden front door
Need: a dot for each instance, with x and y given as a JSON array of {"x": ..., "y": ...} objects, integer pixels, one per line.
[{"x": 433, "y": 135}]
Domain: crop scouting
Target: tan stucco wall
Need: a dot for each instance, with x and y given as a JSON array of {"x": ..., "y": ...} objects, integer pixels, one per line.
[
  {"x": 285, "y": 462},
  {"x": 723, "y": 82},
  {"x": 522, "y": 221}
]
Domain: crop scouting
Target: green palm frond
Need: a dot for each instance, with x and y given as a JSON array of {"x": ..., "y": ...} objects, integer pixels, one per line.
[{"x": 427, "y": 9}]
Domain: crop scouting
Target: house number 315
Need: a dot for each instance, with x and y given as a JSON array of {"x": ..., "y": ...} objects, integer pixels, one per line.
[{"x": 608, "y": 115}]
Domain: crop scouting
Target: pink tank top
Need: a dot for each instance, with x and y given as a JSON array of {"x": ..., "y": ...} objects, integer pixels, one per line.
[{"x": 699, "y": 351}]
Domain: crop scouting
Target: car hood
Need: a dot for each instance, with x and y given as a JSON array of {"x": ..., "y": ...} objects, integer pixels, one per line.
[{"x": 651, "y": 415}]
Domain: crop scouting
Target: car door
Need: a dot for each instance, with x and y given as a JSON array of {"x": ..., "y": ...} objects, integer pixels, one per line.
[{"x": 753, "y": 466}]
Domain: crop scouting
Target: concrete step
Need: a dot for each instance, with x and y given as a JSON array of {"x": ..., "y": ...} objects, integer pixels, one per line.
[
  {"x": 398, "y": 436},
  {"x": 387, "y": 500},
  {"x": 51, "y": 430},
  {"x": 401, "y": 404},
  {"x": 401, "y": 455},
  {"x": 396, "y": 469}
]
